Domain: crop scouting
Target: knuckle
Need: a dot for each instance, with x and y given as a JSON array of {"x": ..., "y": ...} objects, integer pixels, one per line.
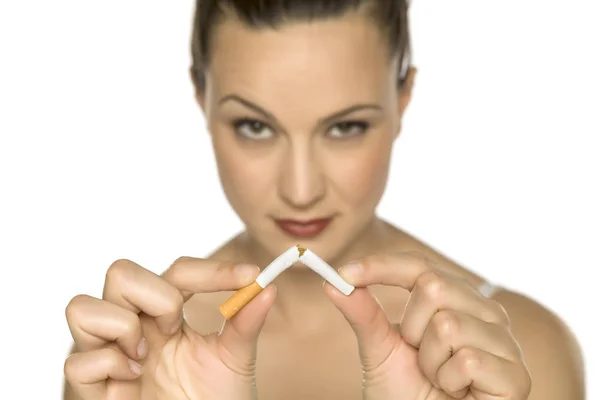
[
  {"x": 130, "y": 324},
  {"x": 183, "y": 260},
  {"x": 469, "y": 360},
  {"x": 119, "y": 271},
  {"x": 111, "y": 358},
  {"x": 374, "y": 260},
  {"x": 431, "y": 284},
  {"x": 72, "y": 311},
  {"x": 445, "y": 324},
  {"x": 70, "y": 367},
  {"x": 177, "y": 269}
]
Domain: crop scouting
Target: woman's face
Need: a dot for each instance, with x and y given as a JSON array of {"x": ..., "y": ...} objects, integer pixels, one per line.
[{"x": 302, "y": 121}]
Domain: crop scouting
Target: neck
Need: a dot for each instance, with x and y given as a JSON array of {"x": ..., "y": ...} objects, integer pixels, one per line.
[{"x": 301, "y": 303}]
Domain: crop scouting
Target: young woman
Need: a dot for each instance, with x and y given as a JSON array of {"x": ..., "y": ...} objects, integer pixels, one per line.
[{"x": 304, "y": 100}]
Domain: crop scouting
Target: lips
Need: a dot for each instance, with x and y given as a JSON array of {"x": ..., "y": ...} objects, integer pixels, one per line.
[{"x": 303, "y": 229}]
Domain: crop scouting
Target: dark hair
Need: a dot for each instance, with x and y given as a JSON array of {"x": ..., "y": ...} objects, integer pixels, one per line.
[{"x": 390, "y": 15}]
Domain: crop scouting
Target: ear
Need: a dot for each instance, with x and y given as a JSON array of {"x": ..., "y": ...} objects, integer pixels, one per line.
[
  {"x": 405, "y": 96},
  {"x": 199, "y": 93},
  {"x": 405, "y": 93}
]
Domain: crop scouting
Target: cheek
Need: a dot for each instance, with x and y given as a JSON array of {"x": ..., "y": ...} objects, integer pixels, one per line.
[
  {"x": 245, "y": 178},
  {"x": 361, "y": 177}
]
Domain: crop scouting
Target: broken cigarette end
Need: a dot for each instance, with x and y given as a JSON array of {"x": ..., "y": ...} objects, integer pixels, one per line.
[
  {"x": 301, "y": 250},
  {"x": 239, "y": 299}
]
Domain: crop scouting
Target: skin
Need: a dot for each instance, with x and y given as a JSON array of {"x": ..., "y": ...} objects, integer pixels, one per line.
[{"x": 309, "y": 341}]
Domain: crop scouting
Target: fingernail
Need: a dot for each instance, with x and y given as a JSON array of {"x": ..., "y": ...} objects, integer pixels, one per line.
[
  {"x": 351, "y": 272},
  {"x": 246, "y": 273},
  {"x": 142, "y": 348},
  {"x": 135, "y": 367}
]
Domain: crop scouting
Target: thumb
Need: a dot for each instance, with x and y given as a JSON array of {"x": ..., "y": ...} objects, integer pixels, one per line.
[
  {"x": 240, "y": 333},
  {"x": 376, "y": 339}
]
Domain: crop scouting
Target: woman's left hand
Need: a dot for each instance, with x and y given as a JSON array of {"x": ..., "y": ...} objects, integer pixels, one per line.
[{"x": 451, "y": 343}]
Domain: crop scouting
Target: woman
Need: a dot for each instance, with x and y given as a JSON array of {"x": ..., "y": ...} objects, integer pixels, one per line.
[{"x": 304, "y": 100}]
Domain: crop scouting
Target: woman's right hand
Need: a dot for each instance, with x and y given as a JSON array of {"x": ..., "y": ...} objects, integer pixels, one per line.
[{"x": 133, "y": 344}]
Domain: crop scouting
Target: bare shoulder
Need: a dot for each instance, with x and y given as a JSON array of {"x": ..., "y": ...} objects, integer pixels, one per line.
[
  {"x": 551, "y": 350},
  {"x": 407, "y": 242}
]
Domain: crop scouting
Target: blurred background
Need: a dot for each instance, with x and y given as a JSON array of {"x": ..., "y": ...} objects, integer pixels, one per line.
[{"x": 104, "y": 155}]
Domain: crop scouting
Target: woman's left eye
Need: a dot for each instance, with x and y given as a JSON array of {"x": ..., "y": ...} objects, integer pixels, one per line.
[{"x": 348, "y": 129}]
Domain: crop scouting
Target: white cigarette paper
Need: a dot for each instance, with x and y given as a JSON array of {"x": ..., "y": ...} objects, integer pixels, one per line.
[
  {"x": 317, "y": 264},
  {"x": 280, "y": 264}
]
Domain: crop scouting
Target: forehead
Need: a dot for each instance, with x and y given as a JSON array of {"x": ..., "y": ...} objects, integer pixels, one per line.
[{"x": 336, "y": 58}]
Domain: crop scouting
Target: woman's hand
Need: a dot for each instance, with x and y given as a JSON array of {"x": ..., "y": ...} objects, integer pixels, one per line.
[
  {"x": 451, "y": 343},
  {"x": 133, "y": 344}
]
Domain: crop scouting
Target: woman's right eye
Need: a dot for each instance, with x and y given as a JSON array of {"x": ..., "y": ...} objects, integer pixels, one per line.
[{"x": 252, "y": 129}]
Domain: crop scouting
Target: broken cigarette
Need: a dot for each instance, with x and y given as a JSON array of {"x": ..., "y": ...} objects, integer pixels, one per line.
[{"x": 288, "y": 258}]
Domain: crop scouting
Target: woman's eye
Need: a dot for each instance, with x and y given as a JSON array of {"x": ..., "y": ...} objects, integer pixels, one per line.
[
  {"x": 348, "y": 129},
  {"x": 251, "y": 129}
]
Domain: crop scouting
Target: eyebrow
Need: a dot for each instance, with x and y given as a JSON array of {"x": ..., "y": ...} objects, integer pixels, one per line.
[{"x": 322, "y": 121}]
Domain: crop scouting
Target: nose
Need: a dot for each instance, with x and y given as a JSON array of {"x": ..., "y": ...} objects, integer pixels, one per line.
[{"x": 302, "y": 182}]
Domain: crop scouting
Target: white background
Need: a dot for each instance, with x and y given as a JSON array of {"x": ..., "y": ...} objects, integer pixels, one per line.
[{"x": 103, "y": 155}]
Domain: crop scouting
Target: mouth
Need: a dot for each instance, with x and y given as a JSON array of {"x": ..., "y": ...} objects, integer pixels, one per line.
[{"x": 303, "y": 229}]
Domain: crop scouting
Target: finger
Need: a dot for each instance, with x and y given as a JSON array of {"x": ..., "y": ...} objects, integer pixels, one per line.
[
  {"x": 432, "y": 292},
  {"x": 192, "y": 275},
  {"x": 483, "y": 373},
  {"x": 450, "y": 331},
  {"x": 376, "y": 338},
  {"x": 195, "y": 275},
  {"x": 394, "y": 269},
  {"x": 136, "y": 289},
  {"x": 94, "y": 323},
  {"x": 239, "y": 335},
  {"x": 87, "y": 372}
]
